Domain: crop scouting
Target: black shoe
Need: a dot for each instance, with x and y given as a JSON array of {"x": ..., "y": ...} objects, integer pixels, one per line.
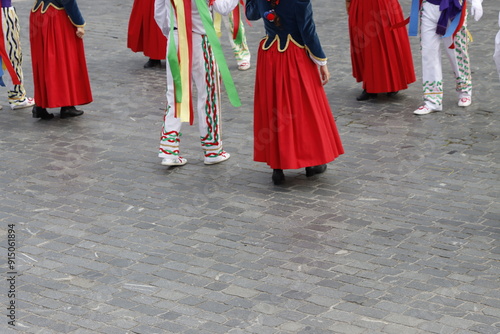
[
  {"x": 151, "y": 63},
  {"x": 70, "y": 112},
  {"x": 41, "y": 113},
  {"x": 366, "y": 96},
  {"x": 278, "y": 176},
  {"x": 310, "y": 171},
  {"x": 391, "y": 94}
]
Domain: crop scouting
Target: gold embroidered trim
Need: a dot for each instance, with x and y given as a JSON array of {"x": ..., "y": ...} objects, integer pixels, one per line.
[{"x": 288, "y": 40}]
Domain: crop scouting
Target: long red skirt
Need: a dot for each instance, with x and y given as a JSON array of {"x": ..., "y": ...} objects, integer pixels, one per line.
[
  {"x": 144, "y": 35},
  {"x": 60, "y": 74},
  {"x": 381, "y": 58},
  {"x": 293, "y": 122}
]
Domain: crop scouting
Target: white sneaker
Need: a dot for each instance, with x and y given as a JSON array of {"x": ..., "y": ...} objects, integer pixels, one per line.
[
  {"x": 424, "y": 110},
  {"x": 464, "y": 101},
  {"x": 177, "y": 161},
  {"x": 20, "y": 104},
  {"x": 244, "y": 66},
  {"x": 215, "y": 160}
]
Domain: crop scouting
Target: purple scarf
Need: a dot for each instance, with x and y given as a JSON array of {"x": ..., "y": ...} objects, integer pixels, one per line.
[{"x": 449, "y": 9}]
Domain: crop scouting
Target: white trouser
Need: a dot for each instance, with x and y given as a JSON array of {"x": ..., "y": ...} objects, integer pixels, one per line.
[
  {"x": 432, "y": 74},
  {"x": 205, "y": 75}
]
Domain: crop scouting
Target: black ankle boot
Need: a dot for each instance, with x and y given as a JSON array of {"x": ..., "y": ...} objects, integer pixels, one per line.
[
  {"x": 70, "y": 112},
  {"x": 42, "y": 113},
  {"x": 391, "y": 94},
  {"x": 152, "y": 63},
  {"x": 366, "y": 96},
  {"x": 310, "y": 171},
  {"x": 278, "y": 176}
]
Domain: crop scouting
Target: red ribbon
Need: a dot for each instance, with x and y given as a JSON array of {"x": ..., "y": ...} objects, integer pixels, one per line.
[{"x": 236, "y": 21}]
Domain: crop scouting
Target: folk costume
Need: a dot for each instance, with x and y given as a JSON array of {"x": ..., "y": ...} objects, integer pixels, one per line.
[
  {"x": 13, "y": 57},
  {"x": 380, "y": 54},
  {"x": 60, "y": 72},
  {"x": 444, "y": 21},
  {"x": 237, "y": 37},
  {"x": 293, "y": 122},
  {"x": 193, "y": 54},
  {"x": 144, "y": 35}
]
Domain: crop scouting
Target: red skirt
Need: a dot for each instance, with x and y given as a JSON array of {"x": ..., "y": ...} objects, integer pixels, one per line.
[
  {"x": 293, "y": 122},
  {"x": 381, "y": 58},
  {"x": 144, "y": 35},
  {"x": 60, "y": 74}
]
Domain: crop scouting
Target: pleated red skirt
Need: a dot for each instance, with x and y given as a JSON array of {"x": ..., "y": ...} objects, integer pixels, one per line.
[
  {"x": 144, "y": 35},
  {"x": 293, "y": 122},
  {"x": 60, "y": 74},
  {"x": 381, "y": 58}
]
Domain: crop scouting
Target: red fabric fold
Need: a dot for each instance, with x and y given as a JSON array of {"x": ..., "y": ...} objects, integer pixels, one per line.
[{"x": 460, "y": 23}]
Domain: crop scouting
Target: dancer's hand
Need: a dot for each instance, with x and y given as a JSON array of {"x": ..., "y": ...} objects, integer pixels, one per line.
[
  {"x": 325, "y": 74},
  {"x": 476, "y": 9},
  {"x": 80, "y": 31}
]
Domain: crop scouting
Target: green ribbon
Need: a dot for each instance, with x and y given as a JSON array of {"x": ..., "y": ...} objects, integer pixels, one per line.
[
  {"x": 239, "y": 36},
  {"x": 207, "y": 21}
]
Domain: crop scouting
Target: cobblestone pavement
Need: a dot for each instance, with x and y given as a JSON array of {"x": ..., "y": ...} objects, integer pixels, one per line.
[{"x": 400, "y": 235}]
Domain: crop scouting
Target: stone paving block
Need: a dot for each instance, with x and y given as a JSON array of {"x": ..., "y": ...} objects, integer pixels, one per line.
[
  {"x": 345, "y": 328},
  {"x": 396, "y": 328},
  {"x": 241, "y": 303}
]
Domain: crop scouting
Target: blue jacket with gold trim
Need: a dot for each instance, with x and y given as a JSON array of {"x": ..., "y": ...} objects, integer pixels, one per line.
[{"x": 70, "y": 6}]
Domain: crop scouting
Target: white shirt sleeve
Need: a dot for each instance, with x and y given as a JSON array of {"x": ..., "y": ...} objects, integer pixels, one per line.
[
  {"x": 318, "y": 62},
  {"x": 224, "y": 7}
]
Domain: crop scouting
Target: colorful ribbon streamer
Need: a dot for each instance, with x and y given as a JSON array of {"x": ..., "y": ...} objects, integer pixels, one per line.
[
  {"x": 180, "y": 57},
  {"x": 237, "y": 32},
  {"x": 173, "y": 61},
  {"x": 457, "y": 24}
]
